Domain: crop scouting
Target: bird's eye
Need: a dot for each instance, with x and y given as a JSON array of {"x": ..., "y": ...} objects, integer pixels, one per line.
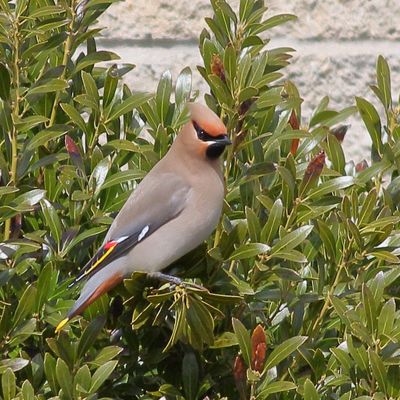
[{"x": 201, "y": 133}]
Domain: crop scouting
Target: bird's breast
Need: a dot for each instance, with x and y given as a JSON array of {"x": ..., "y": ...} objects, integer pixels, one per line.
[{"x": 182, "y": 234}]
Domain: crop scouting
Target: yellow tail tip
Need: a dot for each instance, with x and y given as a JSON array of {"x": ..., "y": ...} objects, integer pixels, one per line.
[{"x": 61, "y": 325}]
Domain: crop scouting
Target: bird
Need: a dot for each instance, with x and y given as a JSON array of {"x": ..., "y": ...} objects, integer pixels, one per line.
[{"x": 173, "y": 209}]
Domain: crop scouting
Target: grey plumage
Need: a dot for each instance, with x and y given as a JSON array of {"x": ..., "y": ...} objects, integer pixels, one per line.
[{"x": 174, "y": 209}]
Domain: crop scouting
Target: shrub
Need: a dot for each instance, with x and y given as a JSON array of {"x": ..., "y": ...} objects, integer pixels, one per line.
[{"x": 302, "y": 271}]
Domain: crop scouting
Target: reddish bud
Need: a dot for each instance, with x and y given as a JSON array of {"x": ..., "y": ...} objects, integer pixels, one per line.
[
  {"x": 361, "y": 166},
  {"x": 312, "y": 173},
  {"x": 259, "y": 357},
  {"x": 340, "y": 132},
  {"x": 315, "y": 166},
  {"x": 239, "y": 370},
  {"x": 293, "y": 121},
  {"x": 294, "y": 146},
  {"x": 217, "y": 67},
  {"x": 70, "y": 145},
  {"x": 258, "y": 348}
]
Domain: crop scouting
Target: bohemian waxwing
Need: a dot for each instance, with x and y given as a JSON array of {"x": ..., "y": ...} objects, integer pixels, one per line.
[{"x": 173, "y": 210}]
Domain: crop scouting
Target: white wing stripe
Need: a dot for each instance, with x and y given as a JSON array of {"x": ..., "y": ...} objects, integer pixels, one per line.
[{"x": 143, "y": 233}]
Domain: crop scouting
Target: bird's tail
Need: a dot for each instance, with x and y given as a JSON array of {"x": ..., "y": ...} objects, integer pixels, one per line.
[{"x": 96, "y": 285}]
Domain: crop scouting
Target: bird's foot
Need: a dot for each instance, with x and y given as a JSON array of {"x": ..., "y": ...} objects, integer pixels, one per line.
[{"x": 175, "y": 281}]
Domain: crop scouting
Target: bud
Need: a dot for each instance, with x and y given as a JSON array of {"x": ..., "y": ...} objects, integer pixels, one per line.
[
  {"x": 70, "y": 145},
  {"x": 239, "y": 369},
  {"x": 239, "y": 373},
  {"x": 217, "y": 67},
  {"x": 313, "y": 172},
  {"x": 294, "y": 123},
  {"x": 361, "y": 166},
  {"x": 74, "y": 153},
  {"x": 258, "y": 348},
  {"x": 340, "y": 132}
]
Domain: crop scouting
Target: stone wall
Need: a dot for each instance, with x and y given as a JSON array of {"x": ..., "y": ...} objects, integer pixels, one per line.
[{"x": 337, "y": 43}]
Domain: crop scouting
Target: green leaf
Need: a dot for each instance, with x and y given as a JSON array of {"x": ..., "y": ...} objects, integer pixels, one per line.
[
  {"x": 283, "y": 351},
  {"x": 51, "y": 85},
  {"x": 274, "y": 221},
  {"x": 378, "y": 370},
  {"x": 27, "y": 390},
  {"x": 89, "y": 335},
  {"x": 230, "y": 63},
  {"x": 87, "y": 101},
  {"x": 99, "y": 174},
  {"x": 340, "y": 116},
  {"x": 8, "y": 190},
  {"x": 15, "y": 364},
  {"x": 52, "y": 220},
  {"x": 64, "y": 379},
  {"x": 45, "y": 11},
  {"x": 249, "y": 250},
  {"x": 384, "y": 256},
  {"x": 275, "y": 387},
  {"x": 201, "y": 323},
  {"x": 291, "y": 255},
  {"x": 274, "y": 21},
  {"x": 335, "y": 154},
  {"x": 44, "y": 286},
  {"x": 45, "y": 135},
  {"x": 83, "y": 379},
  {"x": 384, "y": 84},
  {"x": 331, "y": 186},
  {"x": 94, "y": 58},
  {"x": 369, "y": 305},
  {"x": 253, "y": 224},
  {"x": 25, "y": 305},
  {"x": 30, "y": 122},
  {"x": 50, "y": 372},
  {"x": 8, "y": 384},
  {"x": 85, "y": 235},
  {"x": 125, "y": 145},
  {"x": 291, "y": 240},
  {"x": 106, "y": 354},
  {"x": 380, "y": 223},
  {"x": 343, "y": 358},
  {"x": 372, "y": 122},
  {"x": 245, "y": 9},
  {"x": 110, "y": 85},
  {"x": 101, "y": 375},
  {"x": 133, "y": 101},
  {"x": 368, "y": 207},
  {"x": 74, "y": 116},
  {"x": 5, "y": 82},
  {"x": 310, "y": 393},
  {"x": 190, "y": 376},
  {"x": 387, "y": 317},
  {"x": 90, "y": 87},
  {"x": 183, "y": 87},
  {"x": 163, "y": 95},
  {"x": 327, "y": 238},
  {"x": 243, "y": 338},
  {"x": 122, "y": 177}
]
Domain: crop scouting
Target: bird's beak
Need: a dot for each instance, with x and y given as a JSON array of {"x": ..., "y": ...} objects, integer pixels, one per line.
[{"x": 223, "y": 139}]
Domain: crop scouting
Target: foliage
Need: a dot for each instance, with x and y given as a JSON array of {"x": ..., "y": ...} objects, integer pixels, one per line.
[{"x": 302, "y": 272}]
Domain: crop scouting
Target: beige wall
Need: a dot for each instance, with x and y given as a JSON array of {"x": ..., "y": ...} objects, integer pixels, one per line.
[{"x": 337, "y": 43}]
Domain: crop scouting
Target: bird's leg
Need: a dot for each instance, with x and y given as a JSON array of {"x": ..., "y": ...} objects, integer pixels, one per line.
[{"x": 174, "y": 280}]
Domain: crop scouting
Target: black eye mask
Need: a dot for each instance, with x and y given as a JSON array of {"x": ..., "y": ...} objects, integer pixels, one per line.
[{"x": 204, "y": 136}]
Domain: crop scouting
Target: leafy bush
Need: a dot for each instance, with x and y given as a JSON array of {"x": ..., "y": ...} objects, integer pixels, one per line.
[{"x": 302, "y": 271}]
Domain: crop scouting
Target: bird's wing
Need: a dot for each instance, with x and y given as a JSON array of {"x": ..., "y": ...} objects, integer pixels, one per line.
[{"x": 157, "y": 200}]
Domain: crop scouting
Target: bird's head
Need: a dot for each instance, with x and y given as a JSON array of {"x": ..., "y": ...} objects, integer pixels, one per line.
[{"x": 205, "y": 133}]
